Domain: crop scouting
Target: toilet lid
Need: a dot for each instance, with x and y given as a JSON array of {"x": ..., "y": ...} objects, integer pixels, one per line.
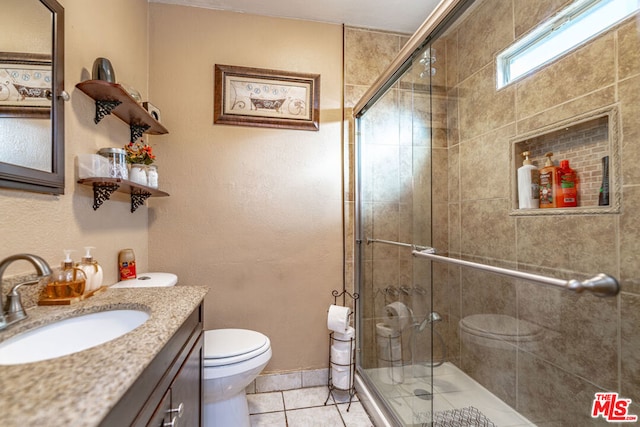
[
  {"x": 227, "y": 346},
  {"x": 500, "y": 326},
  {"x": 148, "y": 280}
]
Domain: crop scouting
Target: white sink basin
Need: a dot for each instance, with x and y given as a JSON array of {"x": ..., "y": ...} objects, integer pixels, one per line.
[{"x": 69, "y": 336}]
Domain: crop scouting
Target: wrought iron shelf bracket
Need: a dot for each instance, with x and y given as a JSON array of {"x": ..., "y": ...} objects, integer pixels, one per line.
[
  {"x": 137, "y": 131},
  {"x": 104, "y": 108},
  {"x": 103, "y": 188},
  {"x": 138, "y": 199},
  {"x": 102, "y": 193}
]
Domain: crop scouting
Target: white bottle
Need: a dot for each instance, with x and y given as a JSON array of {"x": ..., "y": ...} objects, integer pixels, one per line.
[
  {"x": 93, "y": 271},
  {"x": 528, "y": 184}
]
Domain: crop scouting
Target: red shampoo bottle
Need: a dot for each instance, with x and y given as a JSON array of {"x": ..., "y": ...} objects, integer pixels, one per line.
[{"x": 567, "y": 186}]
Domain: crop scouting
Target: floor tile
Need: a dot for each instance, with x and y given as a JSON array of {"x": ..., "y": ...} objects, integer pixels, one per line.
[
  {"x": 305, "y": 397},
  {"x": 356, "y": 416},
  {"x": 265, "y": 402},
  {"x": 323, "y": 416},
  {"x": 273, "y": 419}
]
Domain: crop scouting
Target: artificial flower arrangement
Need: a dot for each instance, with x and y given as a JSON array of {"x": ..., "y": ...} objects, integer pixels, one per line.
[{"x": 139, "y": 153}]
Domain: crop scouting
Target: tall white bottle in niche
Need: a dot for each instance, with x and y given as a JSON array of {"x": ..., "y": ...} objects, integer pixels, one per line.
[{"x": 528, "y": 184}]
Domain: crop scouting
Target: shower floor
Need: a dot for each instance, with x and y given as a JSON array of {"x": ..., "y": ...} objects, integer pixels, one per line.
[{"x": 452, "y": 389}]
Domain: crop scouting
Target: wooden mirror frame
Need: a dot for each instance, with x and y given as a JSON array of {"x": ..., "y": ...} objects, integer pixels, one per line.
[{"x": 27, "y": 179}]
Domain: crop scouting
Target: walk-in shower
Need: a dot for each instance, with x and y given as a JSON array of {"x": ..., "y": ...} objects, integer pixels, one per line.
[{"x": 472, "y": 310}]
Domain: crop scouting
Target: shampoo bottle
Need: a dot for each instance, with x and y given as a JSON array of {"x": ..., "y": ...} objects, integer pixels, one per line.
[
  {"x": 548, "y": 183},
  {"x": 528, "y": 184},
  {"x": 567, "y": 180},
  {"x": 603, "y": 196},
  {"x": 92, "y": 270}
]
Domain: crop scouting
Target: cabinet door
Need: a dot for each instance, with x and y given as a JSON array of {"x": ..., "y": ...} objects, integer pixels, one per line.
[
  {"x": 186, "y": 389},
  {"x": 161, "y": 417}
]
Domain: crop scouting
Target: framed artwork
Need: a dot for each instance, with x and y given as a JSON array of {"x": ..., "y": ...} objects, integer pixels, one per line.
[
  {"x": 25, "y": 85},
  {"x": 266, "y": 98}
]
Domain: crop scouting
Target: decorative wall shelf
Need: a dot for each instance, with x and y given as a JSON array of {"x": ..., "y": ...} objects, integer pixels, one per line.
[
  {"x": 112, "y": 98},
  {"x": 104, "y": 187}
]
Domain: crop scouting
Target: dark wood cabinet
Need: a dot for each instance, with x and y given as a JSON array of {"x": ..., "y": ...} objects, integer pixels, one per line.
[{"x": 170, "y": 387}]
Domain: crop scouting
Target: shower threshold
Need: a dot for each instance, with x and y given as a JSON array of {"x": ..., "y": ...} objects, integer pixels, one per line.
[{"x": 455, "y": 394}]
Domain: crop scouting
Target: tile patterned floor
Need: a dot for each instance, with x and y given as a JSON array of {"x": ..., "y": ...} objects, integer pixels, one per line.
[{"x": 304, "y": 407}]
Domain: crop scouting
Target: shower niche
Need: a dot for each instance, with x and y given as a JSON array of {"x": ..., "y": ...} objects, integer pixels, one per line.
[{"x": 584, "y": 141}]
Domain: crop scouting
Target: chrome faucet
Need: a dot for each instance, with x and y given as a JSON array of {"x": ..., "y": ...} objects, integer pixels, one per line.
[{"x": 13, "y": 311}]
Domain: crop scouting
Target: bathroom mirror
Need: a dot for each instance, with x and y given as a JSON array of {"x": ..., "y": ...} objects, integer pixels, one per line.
[{"x": 31, "y": 96}]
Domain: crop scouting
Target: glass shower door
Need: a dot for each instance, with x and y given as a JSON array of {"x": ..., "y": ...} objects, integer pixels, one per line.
[{"x": 395, "y": 150}]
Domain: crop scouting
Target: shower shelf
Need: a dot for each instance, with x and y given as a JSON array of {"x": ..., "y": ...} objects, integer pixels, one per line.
[{"x": 332, "y": 340}]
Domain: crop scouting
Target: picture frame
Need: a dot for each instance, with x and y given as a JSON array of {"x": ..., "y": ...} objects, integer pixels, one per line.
[
  {"x": 25, "y": 85},
  {"x": 245, "y": 96}
]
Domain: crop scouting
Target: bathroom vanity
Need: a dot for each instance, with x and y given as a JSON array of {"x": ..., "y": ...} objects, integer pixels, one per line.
[{"x": 149, "y": 376}]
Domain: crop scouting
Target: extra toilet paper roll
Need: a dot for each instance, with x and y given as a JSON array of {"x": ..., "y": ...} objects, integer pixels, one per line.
[
  {"x": 338, "y": 318},
  {"x": 343, "y": 341},
  {"x": 397, "y": 315},
  {"x": 341, "y": 356},
  {"x": 341, "y": 376}
]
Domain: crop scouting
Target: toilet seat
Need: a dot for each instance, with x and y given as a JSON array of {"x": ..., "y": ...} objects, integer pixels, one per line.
[
  {"x": 228, "y": 346},
  {"x": 500, "y": 327}
]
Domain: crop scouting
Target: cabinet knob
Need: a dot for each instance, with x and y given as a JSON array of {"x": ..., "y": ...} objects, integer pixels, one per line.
[
  {"x": 173, "y": 422},
  {"x": 179, "y": 410}
]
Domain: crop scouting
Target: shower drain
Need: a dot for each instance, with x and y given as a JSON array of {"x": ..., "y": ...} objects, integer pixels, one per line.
[{"x": 422, "y": 394}]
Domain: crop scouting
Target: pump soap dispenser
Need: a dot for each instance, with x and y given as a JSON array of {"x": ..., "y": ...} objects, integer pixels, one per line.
[
  {"x": 528, "y": 184},
  {"x": 548, "y": 183},
  {"x": 66, "y": 283},
  {"x": 92, "y": 270}
]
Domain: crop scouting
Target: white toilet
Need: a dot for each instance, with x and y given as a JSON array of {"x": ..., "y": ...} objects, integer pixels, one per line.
[{"x": 232, "y": 359}]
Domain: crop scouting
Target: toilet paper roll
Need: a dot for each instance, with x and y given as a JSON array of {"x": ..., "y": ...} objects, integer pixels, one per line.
[
  {"x": 397, "y": 315},
  {"x": 346, "y": 335},
  {"x": 338, "y": 318},
  {"x": 341, "y": 356},
  {"x": 344, "y": 341},
  {"x": 341, "y": 376}
]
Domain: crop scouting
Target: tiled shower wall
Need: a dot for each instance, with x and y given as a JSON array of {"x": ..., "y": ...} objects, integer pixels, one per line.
[{"x": 590, "y": 344}]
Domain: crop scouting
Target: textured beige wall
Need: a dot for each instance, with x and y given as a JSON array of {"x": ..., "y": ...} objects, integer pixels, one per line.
[
  {"x": 45, "y": 224},
  {"x": 254, "y": 213}
]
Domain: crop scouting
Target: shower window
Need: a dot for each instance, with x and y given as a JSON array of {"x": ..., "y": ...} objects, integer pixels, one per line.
[{"x": 570, "y": 28}]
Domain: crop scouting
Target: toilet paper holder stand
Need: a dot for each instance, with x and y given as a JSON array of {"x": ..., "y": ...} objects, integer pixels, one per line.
[{"x": 336, "y": 379}]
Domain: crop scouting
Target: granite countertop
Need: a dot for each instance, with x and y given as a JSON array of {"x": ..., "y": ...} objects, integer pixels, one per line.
[{"x": 80, "y": 389}]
